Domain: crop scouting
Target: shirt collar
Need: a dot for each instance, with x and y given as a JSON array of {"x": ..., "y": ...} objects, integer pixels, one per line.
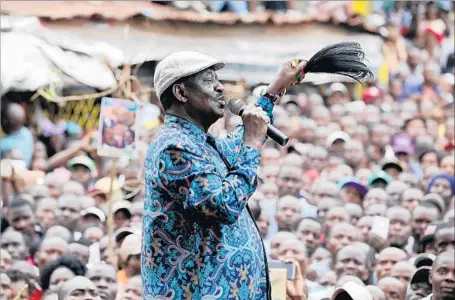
[{"x": 186, "y": 127}]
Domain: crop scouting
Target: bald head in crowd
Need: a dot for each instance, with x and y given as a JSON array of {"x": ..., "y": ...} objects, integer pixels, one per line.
[{"x": 16, "y": 117}]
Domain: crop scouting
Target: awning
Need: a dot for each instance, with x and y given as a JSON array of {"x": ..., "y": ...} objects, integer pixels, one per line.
[
  {"x": 28, "y": 63},
  {"x": 252, "y": 52}
]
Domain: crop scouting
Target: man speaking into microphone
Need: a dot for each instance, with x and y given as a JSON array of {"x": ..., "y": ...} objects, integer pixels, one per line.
[{"x": 199, "y": 239}]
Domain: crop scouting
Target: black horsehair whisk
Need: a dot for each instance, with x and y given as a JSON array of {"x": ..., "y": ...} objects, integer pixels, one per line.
[{"x": 346, "y": 58}]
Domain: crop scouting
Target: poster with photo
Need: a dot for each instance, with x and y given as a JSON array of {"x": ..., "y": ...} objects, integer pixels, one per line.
[{"x": 117, "y": 128}]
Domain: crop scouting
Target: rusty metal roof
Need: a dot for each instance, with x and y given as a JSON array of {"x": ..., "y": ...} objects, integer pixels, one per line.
[{"x": 121, "y": 10}]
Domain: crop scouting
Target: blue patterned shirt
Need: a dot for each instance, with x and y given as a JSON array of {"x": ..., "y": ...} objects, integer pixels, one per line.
[{"x": 199, "y": 239}]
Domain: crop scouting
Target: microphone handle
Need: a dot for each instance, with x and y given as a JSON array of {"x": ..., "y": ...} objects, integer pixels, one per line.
[
  {"x": 273, "y": 133},
  {"x": 276, "y": 135}
]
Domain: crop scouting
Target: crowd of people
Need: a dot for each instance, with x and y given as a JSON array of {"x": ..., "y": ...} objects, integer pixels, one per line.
[{"x": 389, "y": 154}]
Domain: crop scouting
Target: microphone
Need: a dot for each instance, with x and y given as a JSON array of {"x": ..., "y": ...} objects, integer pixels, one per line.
[{"x": 236, "y": 106}]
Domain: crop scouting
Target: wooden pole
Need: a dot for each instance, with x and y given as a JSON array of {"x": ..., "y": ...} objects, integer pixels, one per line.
[{"x": 110, "y": 215}]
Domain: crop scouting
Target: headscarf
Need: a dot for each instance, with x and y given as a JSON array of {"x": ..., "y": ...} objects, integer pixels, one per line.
[{"x": 450, "y": 178}]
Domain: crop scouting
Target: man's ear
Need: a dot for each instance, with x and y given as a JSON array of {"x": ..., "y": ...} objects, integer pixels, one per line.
[
  {"x": 179, "y": 92},
  {"x": 430, "y": 278}
]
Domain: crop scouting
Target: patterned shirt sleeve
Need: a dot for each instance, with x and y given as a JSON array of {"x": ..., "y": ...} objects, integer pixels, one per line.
[
  {"x": 267, "y": 106},
  {"x": 194, "y": 180}
]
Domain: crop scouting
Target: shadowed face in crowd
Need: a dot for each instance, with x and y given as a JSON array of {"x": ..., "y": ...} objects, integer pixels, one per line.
[
  {"x": 289, "y": 181},
  {"x": 294, "y": 249},
  {"x": 288, "y": 212},
  {"x": 403, "y": 271},
  {"x": 50, "y": 249},
  {"x": 387, "y": 258},
  {"x": 400, "y": 226},
  {"x": 341, "y": 235},
  {"x": 309, "y": 232},
  {"x": 45, "y": 211},
  {"x": 421, "y": 218},
  {"x": 445, "y": 240},
  {"x": 364, "y": 225},
  {"x": 69, "y": 210},
  {"x": 351, "y": 260},
  {"x": 277, "y": 240},
  {"x": 133, "y": 289},
  {"x": 336, "y": 215},
  {"x": 411, "y": 198},
  {"x": 59, "y": 277},
  {"x": 393, "y": 288},
  {"x": 442, "y": 187},
  {"x": 22, "y": 219},
  {"x": 13, "y": 242},
  {"x": 104, "y": 277},
  {"x": 78, "y": 288}
]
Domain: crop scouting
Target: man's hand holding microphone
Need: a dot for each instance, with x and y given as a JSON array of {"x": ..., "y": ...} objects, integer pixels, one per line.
[{"x": 255, "y": 120}]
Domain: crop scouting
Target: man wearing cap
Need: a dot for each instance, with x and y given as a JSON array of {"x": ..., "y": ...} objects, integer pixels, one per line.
[
  {"x": 199, "y": 239},
  {"x": 419, "y": 286},
  {"x": 82, "y": 169}
]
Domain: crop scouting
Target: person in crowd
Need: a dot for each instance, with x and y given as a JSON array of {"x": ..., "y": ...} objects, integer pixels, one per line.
[
  {"x": 14, "y": 242},
  {"x": 387, "y": 259},
  {"x": 103, "y": 277},
  {"x": 393, "y": 288},
  {"x": 309, "y": 232},
  {"x": 78, "y": 288},
  {"x": 442, "y": 278},
  {"x": 56, "y": 272},
  {"x": 18, "y": 135},
  {"x": 403, "y": 271}
]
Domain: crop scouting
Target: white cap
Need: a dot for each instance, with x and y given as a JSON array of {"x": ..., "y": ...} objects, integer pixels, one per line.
[
  {"x": 181, "y": 64},
  {"x": 337, "y": 135},
  {"x": 354, "y": 290}
]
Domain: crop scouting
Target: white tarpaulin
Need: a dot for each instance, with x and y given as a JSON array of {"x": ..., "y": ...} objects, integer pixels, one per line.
[{"x": 28, "y": 63}]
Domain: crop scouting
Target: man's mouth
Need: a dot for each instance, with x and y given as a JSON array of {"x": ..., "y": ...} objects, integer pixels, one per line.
[
  {"x": 221, "y": 100},
  {"x": 447, "y": 289}
]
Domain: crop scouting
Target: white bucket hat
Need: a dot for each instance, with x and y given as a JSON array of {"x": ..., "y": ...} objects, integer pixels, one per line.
[{"x": 181, "y": 64}]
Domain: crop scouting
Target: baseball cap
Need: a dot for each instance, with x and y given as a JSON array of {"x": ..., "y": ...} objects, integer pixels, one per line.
[
  {"x": 94, "y": 211},
  {"x": 181, "y": 64},
  {"x": 336, "y": 87},
  {"x": 131, "y": 246},
  {"x": 421, "y": 275},
  {"x": 382, "y": 176},
  {"x": 355, "y": 183},
  {"x": 337, "y": 135},
  {"x": 83, "y": 161},
  {"x": 403, "y": 144},
  {"x": 122, "y": 233},
  {"x": 424, "y": 260},
  {"x": 391, "y": 164},
  {"x": 355, "y": 291},
  {"x": 122, "y": 205}
]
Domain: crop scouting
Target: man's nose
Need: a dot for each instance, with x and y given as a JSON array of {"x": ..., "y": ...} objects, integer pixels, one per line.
[
  {"x": 219, "y": 88},
  {"x": 21, "y": 224},
  {"x": 102, "y": 284}
]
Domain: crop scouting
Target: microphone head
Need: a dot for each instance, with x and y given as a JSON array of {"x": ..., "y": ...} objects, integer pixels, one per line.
[{"x": 235, "y": 105}]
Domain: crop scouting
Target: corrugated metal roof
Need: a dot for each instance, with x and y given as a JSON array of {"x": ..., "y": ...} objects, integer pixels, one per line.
[
  {"x": 121, "y": 10},
  {"x": 118, "y": 10}
]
